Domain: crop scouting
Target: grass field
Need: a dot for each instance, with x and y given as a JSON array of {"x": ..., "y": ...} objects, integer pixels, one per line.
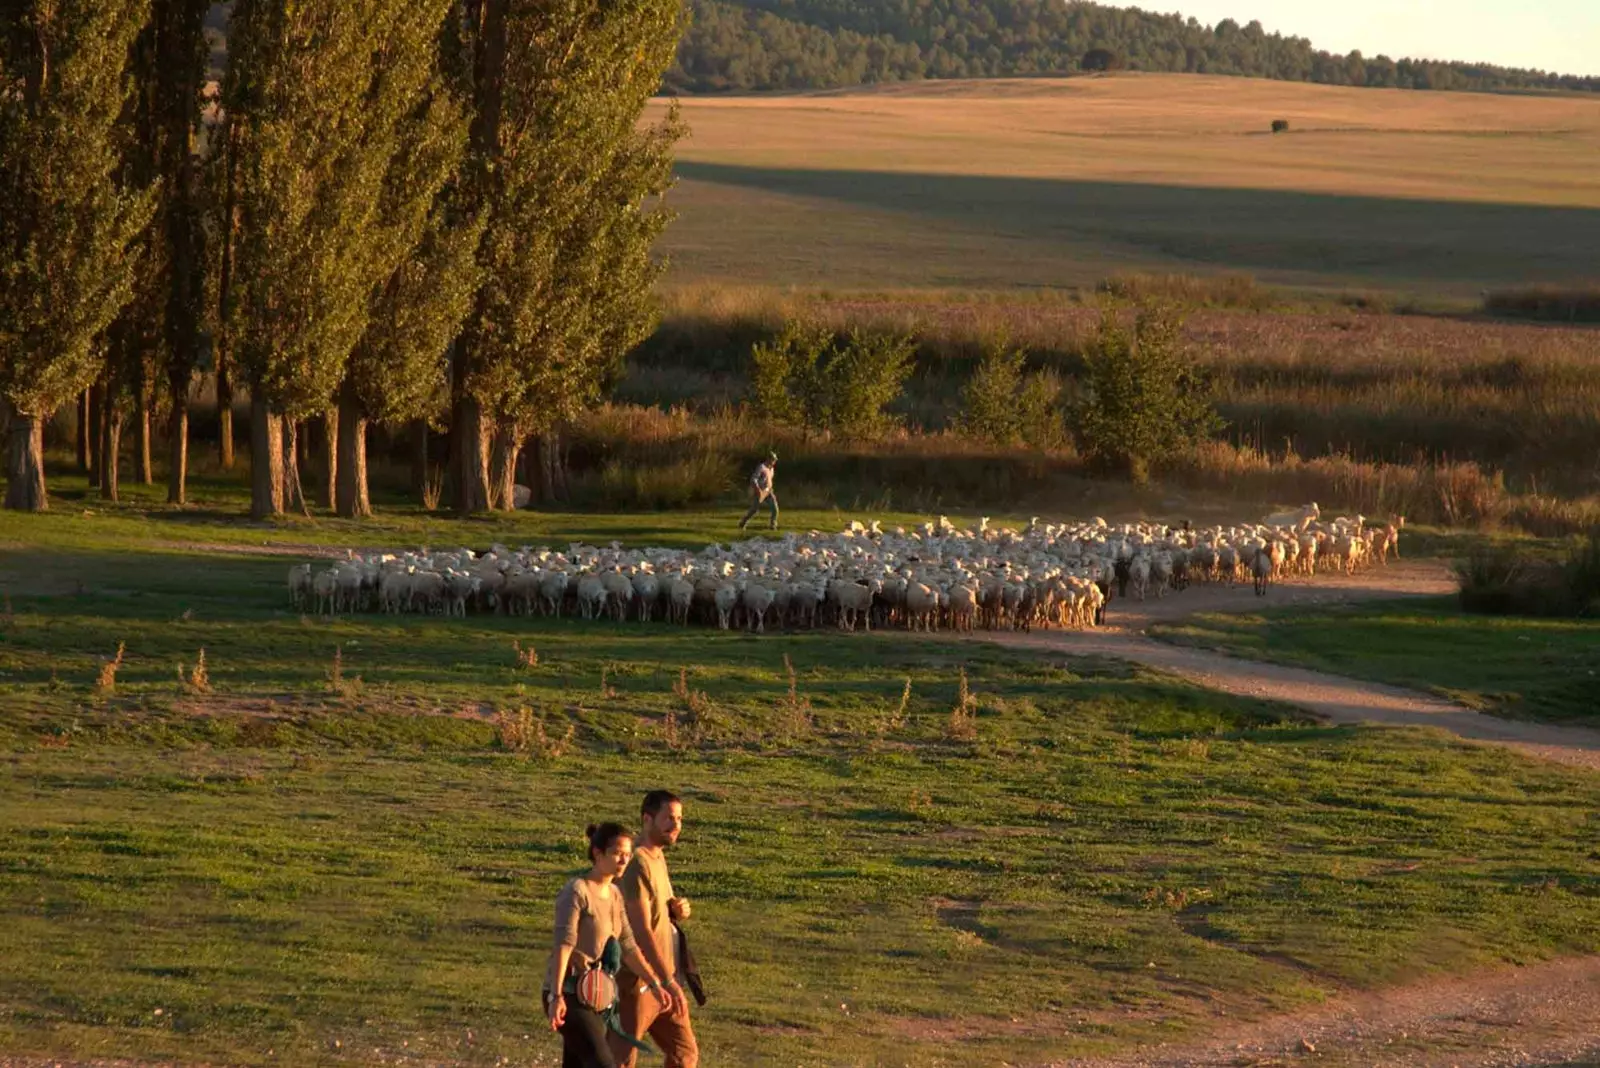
[
  {"x": 1028, "y": 184},
  {"x": 1539, "y": 669},
  {"x": 341, "y": 861}
]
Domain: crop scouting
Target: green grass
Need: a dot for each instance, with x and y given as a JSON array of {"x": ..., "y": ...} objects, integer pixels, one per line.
[
  {"x": 1545, "y": 669},
  {"x": 284, "y": 863}
]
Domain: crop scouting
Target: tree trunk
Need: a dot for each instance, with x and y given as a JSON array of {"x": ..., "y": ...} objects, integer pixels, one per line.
[
  {"x": 266, "y": 460},
  {"x": 294, "y": 496},
  {"x": 469, "y": 442},
  {"x": 141, "y": 427},
  {"x": 548, "y": 474},
  {"x": 419, "y": 457},
  {"x": 110, "y": 447},
  {"x": 503, "y": 467},
  {"x": 330, "y": 448},
  {"x": 562, "y": 448},
  {"x": 25, "y": 488},
  {"x": 97, "y": 395},
  {"x": 225, "y": 418},
  {"x": 351, "y": 499},
  {"x": 178, "y": 446},
  {"x": 85, "y": 453}
]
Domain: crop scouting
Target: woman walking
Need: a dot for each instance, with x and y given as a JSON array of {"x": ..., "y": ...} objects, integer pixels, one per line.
[{"x": 591, "y": 941}]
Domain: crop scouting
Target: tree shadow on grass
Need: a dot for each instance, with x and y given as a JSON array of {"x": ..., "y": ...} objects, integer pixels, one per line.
[{"x": 1326, "y": 235}]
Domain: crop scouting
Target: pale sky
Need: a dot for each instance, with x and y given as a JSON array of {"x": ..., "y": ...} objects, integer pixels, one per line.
[{"x": 1555, "y": 35}]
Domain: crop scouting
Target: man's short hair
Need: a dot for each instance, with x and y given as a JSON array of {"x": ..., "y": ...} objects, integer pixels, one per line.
[{"x": 656, "y": 800}]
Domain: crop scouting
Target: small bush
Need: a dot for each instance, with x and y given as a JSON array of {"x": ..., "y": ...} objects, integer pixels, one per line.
[
  {"x": 989, "y": 408},
  {"x": 815, "y": 380},
  {"x": 963, "y": 725},
  {"x": 199, "y": 677},
  {"x": 524, "y": 732},
  {"x": 106, "y": 682},
  {"x": 1216, "y": 291},
  {"x": 1502, "y": 581},
  {"x": 1567, "y": 304},
  {"x": 1280, "y": 125},
  {"x": 433, "y": 487},
  {"x": 635, "y": 483},
  {"x": 794, "y": 715},
  {"x": 1145, "y": 399}
]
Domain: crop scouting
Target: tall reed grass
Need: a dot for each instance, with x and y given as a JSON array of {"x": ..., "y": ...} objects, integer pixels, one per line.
[{"x": 672, "y": 457}]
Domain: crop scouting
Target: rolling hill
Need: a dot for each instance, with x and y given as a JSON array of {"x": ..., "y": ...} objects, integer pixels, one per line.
[{"x": 1041, "y": 183}]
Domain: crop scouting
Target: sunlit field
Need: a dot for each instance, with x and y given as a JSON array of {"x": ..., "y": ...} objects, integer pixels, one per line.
[{"x": 1049, "y": 183}]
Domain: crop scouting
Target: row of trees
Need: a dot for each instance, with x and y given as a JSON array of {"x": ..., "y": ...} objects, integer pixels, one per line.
[
  {"x": 811, "y": 44},
  {"x": 387, "y": 210}
]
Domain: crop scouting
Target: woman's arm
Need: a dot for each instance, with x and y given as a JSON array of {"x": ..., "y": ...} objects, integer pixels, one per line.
[
  {"x": 566, "y": 939},
  {"x": 555, "y": 1005}
]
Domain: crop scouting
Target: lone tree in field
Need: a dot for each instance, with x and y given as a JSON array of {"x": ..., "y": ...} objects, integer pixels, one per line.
[
  {"x": 1145, "y": 400},
  {"x": 320, "y": 98},
  {"x": 562, "y": 175},
  {"x": 68, "y": 229}
]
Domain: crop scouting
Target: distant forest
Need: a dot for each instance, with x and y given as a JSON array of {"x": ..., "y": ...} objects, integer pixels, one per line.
[{"x": 824, "y": 44}]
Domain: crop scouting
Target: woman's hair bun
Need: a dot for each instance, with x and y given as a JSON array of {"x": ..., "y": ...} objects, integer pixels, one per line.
[{"x": 589, "y": 831}]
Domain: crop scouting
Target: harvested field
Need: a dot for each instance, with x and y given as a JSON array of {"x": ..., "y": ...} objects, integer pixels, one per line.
[{"x": 1043, "y": 183}]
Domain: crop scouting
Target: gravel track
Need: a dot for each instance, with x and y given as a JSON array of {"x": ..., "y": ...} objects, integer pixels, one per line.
[{"x": 1332, "y": 697}]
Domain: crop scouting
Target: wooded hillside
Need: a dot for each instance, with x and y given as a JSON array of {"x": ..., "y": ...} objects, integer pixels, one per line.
[{"x": 821, "y": 44}]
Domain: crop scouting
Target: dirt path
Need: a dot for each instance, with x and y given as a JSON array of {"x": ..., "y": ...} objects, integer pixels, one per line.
[
  {"x": 1547, "y": 1014},
  {"x": 1337, "y": 699}
]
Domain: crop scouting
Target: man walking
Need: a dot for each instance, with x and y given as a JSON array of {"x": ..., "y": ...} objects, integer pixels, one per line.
[
  {"x": 652, "y": 911},
  {"x": 761, "y": 491}
]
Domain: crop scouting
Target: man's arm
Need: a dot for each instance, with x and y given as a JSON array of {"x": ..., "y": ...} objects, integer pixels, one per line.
[{"x": 635, "y": 887}]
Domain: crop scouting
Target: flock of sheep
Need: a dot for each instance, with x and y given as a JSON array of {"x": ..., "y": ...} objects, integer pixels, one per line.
[{"x": 936, "y": 576}]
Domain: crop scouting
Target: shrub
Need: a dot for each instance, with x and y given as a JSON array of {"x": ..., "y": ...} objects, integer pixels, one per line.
[
  {"x": 1570, "y": 304},
  {"x": 1503, "y": 581},
  {"x": 1100, "y": 59},
  {"x": 813, "y": 379},
  {"x": 1145, "y": 400},
  {"x": 1039, "y": 411},
  {"x": 1280, "y": 125},
  {"x": 1214, "y": 291},
  {"x": 865, "y": 376},
  {"x": 1002, "y": 405},
  {"x": 642, "y": 482},
  {"x": 989, "y": 409},
  {"x": 786, "y": 382}
]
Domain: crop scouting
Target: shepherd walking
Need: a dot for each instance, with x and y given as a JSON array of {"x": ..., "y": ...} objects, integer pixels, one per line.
[{"x": 761, "y": 491}]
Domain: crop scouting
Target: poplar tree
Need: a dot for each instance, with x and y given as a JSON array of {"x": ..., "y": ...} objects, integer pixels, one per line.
[
  {"x": 397, "y": 371},
  {"x": 319, "y": 94},
  {"x": 157, "y": 335},
  {"x": 179, "y": 87},
  {"x": 564, "y": 176},
  {"x": 68, "y": 228}
]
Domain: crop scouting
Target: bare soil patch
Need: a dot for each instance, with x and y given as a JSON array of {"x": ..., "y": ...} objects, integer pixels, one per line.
[{"x": 1546, "y": 1014}]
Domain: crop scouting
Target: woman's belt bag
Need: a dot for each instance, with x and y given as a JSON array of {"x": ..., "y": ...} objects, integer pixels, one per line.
[{"x": 595, "y": 989}]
